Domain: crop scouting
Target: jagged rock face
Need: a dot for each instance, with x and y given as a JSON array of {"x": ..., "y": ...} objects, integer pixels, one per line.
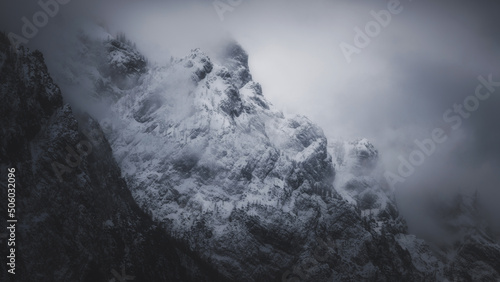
[
  {"x": 359, "y": 182},
  {"x": 38, "y": 97},
  {"x": 244, "y": 185},
  {"x": 359, "y": 157},
  {"x": 87, "y": 225},
  {"x": 219, "y": 166},
  {"x": 248, "y": 188},
  {"x": 235, "y": 59},
  {"x": 470, "y": 254},
  {"x": 123, "y": 65}
]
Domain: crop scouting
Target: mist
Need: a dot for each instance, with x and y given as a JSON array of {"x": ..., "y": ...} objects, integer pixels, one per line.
[{"x": 395, "y": 91}]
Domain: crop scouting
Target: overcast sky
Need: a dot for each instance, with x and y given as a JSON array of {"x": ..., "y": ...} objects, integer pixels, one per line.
[{"x": 394, "y": 90}]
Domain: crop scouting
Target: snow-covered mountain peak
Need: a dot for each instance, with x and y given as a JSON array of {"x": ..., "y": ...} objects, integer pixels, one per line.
[
  {"x": 235, "y": 58},
  {"x": 199, "y": 62},
  {"x": 247, "y": 187}
]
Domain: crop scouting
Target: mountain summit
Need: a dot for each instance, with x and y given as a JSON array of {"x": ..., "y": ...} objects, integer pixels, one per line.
[
  {"x": 248, "y": 188},
  {"x": 220, "y": 179}
]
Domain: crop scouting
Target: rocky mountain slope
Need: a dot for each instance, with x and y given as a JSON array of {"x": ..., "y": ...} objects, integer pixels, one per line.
[
  {"x": 223, "y": 177},
  {"x": 247, "y": 187},
  {"x": 470, "y": 254},
  {"x": 77, "y": 220}
]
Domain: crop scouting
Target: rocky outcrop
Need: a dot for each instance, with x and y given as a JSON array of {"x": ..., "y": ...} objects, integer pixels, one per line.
[
  {"x": 77, "y": 220},
  {"x": 247, "y": 187},
  {"x": 235, "y": 58},
  {"x": 225, "y": 177}
]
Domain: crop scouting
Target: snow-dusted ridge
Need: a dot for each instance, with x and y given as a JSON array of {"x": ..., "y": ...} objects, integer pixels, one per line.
[
  {"x": 87, "y": 225},
  {"x": 247, "y": 187}
]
